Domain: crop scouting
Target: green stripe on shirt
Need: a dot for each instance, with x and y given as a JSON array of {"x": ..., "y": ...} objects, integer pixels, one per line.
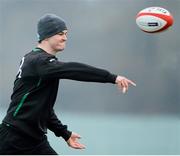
[{"x": 20, "y": 104}]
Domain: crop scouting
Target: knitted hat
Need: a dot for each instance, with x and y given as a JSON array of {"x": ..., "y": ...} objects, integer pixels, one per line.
[{"x": 50, "y": 25}]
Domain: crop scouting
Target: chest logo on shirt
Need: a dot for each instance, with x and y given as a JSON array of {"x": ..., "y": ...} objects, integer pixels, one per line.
[
  {"x": 51, "y": 60},
  {"x": 19, "y": 73}
]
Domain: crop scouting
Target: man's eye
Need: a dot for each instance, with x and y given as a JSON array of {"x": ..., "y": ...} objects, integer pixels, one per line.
[{"x": 62, "y": 33}]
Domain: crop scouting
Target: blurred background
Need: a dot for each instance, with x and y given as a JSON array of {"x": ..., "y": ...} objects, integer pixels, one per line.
[{"x": 103, "y": 33}]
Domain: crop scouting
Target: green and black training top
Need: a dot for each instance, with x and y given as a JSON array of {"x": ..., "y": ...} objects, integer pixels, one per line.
[{"x": 35, "y": 89}]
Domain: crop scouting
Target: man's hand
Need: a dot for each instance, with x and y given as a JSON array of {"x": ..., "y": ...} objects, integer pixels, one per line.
[
  {"x": 123, "y": 83},
  {"x": 73, "y": 142}
]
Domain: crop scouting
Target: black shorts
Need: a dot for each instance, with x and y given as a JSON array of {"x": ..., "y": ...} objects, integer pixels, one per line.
[{"x": 13, "y": 142}]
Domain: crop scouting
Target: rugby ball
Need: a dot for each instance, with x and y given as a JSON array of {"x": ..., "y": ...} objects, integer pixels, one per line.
[{"x": 154, "y": 19}]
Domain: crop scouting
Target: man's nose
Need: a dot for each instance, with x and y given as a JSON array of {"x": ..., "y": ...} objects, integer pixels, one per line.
[{"x": 64, "y": 37}]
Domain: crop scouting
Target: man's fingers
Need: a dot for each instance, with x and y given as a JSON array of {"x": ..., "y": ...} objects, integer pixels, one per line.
[
  {"x": 78, "y": 146},
  {"x": 76, "y": 135},
  {"x": 124, "y": 90},
  {"x": 131, "y": 82},
  {"x": 124, "y": 86},
  {"x": 124, "y": 83}
]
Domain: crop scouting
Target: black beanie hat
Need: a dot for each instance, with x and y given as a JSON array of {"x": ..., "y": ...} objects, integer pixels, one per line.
[{"x": 50, "y": 25}]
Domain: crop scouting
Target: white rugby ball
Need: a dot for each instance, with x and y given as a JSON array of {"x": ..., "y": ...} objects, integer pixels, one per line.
[{"x": 154, "y": 19}]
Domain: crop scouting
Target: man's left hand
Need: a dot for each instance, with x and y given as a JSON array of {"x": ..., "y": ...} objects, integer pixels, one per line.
[{"x": 73, "y": 141}]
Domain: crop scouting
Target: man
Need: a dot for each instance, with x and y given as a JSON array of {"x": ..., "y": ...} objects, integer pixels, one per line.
[{"x": 31, "y": 113}]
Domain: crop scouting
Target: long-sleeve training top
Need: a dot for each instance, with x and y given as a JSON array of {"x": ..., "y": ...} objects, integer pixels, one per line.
[{"x": 35, "y": 89}]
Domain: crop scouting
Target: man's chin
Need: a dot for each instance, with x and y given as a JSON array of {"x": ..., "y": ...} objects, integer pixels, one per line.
[{"x": 60, "y": 49}]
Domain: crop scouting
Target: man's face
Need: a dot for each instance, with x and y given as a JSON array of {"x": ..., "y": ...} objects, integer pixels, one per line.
[{"x": 58, "y": 41}]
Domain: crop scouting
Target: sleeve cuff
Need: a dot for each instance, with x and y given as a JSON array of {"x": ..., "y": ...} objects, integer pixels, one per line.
[
  {"x": 66, "y": 135},
  {"x": 112, "y": 78}
]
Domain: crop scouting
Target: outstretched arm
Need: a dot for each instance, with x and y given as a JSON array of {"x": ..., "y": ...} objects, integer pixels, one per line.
[
  {"x": 50, "y": 67},
  {"x": 78, "y": 71}
]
